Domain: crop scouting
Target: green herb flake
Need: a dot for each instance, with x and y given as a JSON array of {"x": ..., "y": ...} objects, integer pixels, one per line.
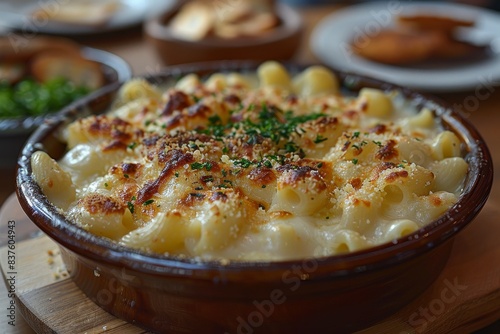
[
  {"x": 214, "y": 120},
  {"x": 291, "y": 147},
  {"x": 355, "y": 161},
  {"x": 196, "y": 166},
  {"x": 148, "y": 202},
  {"x": 131, "y": 207},
  {"x": 244, "y": 163},
  {"x": 319, "y": 139},
  {"x": 199, "y": 165}
]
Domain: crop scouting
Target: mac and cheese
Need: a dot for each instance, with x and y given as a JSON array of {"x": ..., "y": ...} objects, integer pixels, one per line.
[{"x": 267, "y": 168}]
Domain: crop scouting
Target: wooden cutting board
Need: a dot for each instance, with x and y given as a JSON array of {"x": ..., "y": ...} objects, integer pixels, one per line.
[{"x": 464, "y": 298}]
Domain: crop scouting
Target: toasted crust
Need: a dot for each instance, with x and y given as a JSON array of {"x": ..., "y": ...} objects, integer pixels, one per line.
[
  {"x": 84, "y": 13},
  {"x": 418, "y": 38},
  {"x": 434, "y": 22},
  {"x": 197, "y": 20},
  {"x": 399, "y": 47},
  {"x": 20, "y": 49},
  {"x": 78, "y": 70}
]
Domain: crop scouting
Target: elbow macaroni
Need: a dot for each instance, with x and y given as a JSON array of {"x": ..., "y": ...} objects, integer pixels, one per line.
[{"x": 269, "y": 167}]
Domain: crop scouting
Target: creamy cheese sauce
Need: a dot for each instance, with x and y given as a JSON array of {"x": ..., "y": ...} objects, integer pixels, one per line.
[{"x": 270, "y": 169}]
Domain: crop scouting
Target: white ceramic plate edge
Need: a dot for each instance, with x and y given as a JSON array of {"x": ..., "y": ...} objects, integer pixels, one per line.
[{"x": 330, "y": 43}]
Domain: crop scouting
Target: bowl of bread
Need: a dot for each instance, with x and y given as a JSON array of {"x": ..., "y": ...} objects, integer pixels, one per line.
[
  {"x": 41, "y": 76},
  {"x": 195, "y": 31}
]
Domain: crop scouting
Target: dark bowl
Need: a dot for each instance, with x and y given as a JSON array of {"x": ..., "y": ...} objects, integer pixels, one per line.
[
  {"x": 280, "y": 44},
  {"x": 340, "y": 293},
  {"x": 15, "y": 131}
]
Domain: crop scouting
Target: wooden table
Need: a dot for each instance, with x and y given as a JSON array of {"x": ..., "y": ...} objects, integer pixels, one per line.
[{"x": 131, "y": 46}]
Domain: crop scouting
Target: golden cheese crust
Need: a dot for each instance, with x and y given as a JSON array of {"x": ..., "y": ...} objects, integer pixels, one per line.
[{"x": 269, "y": 169}]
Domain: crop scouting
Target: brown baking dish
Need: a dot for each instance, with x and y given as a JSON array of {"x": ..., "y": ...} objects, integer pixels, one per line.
[{"x": 340, "y": 293}]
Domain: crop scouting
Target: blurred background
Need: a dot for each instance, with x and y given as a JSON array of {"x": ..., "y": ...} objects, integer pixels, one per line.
[{"x": 54, "y": 52}]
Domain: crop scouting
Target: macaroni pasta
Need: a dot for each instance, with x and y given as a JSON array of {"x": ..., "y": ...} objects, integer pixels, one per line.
[{"x": 268, "y": 168}]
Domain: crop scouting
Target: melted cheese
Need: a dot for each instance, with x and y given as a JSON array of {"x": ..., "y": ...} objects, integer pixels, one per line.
[{"x": 268, "y": 169}]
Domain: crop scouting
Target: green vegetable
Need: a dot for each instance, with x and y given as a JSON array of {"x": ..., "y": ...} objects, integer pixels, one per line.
[{"x": 30, "y": 98}]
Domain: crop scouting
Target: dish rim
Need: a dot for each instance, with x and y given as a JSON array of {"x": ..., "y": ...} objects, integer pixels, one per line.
[{"x": 48, "y": 219}]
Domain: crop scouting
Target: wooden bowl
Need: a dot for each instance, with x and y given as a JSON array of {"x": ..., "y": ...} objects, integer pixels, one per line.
[
  {"x": 340, "y": 293},
  {"x": 279, "y": 44},
  {"x": 14, "y": 131}
]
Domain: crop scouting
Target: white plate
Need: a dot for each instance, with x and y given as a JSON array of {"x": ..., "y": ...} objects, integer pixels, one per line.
[
  {"x": 15, "y": 14},
  {"x": 330, "y": 42}
]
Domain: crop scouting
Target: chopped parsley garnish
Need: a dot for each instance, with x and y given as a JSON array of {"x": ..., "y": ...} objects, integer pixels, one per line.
[
  {"x": 225, "y": 184},
  {"x": 132, "y": 145},
  {"x": 214, "y": 120},
  {"x": 278, "y": 158},
  {"x": 319, "y": 165},
  {"x": 196, "y": 165},
  {"x": 207, "y": 178},
  {"x": 319, "y": 139},
  {"x": 379, "y": 144},
  {"x": 291, "y": 147},
  {"x": 148, "y": 202},
  {"x": 215, "y": 127},
  {"x": 130, "y": 206},
  {"x": 176, "y": 174},
  {"x": 275, "y": 124},
  {"x": 355, "y": 134},
  {"x": 199, "y": 165},
  {"x": 355, "y": 161},
  {"x": 244, "y": 163}
]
